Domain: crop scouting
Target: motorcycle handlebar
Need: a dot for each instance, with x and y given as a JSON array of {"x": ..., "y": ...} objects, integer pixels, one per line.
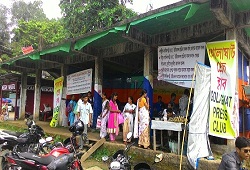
[{"x": 129, "y": 146}]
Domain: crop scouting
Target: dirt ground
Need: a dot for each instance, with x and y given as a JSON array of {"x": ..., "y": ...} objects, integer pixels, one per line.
[{"x": 94, "y": 165}]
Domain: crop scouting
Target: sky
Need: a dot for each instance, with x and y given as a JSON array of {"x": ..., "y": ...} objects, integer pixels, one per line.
[{"x": 52, "y": 10}]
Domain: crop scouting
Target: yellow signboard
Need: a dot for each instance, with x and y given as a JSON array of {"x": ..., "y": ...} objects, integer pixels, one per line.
[
  {"x": 58, "y": 86},
  {"x": 222, "y": 56}
]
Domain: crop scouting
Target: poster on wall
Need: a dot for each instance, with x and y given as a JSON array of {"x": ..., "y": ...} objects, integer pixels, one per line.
[
  {"x": 58, "y": 86},
  {"x": 222, "y": 56},
  {"x": 176, "y": 63},
  {"x": 80, "y": 82}
]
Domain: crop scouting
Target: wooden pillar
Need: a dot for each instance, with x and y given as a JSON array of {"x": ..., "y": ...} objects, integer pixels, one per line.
[
  {"x": 232, "y": 35},
  {"x": 148, "y": 75},
  {"x": 23, "y": 95},
  {"x": 98, "y": 89},
  {"x": 37, "y": 94},
  {"x": 63, "y": 120}
]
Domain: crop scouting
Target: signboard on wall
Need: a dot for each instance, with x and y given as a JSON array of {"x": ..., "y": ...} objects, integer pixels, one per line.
[
  {"x": 9, "y": 87},
  {"x": 80, "y": 82},
  {"x": 58, "y": 86},
  {"x": 223, "y": 109},
  {"x": 43, "y": 88},
  {"x": 27, "y": 50},
  {"x": 176, "y": 63}
]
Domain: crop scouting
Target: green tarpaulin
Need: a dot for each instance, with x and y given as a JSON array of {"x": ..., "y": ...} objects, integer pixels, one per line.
[
  {"x": 86, "y": 40},
  {"x": 63, "y": 47}
]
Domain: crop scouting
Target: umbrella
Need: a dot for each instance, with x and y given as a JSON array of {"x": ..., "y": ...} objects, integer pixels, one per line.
[{"x": 6, "y": 100}]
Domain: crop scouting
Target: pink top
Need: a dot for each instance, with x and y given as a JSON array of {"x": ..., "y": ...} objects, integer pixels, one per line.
[{"x": 113, "y": 106}]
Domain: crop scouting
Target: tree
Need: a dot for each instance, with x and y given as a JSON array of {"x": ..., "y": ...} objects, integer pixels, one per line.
[
  {"x": 39, "y": 34},
  {"x": 4, "y": 30},
  {"x": 81, "y": 16},
  {"x": 21, "y": 10}
]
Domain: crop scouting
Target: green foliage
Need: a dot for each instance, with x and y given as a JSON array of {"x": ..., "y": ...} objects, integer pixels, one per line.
[
  {"x": 58, "y": 138},
  {"x": 81, "y": 16},
  {"x": 6, "y": 126},
  {"x": 21, "y": 10},
  {"x": 39, "y": 34},
  {"x": 99, "y": 153},
  {"x": 4, "y": 57},
  {"x": 4, "y": 32}
]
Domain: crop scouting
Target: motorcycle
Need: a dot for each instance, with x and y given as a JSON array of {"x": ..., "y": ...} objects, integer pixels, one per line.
[
  {"x": 120, "y": 159},
  {"x": 59, "y": 158},
  {"x": 145, "y": 166},
  {"x": 22, "y": 142}
]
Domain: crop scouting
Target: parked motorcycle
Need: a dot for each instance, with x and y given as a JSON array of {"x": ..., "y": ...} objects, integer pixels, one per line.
[
  {"x": 120, "y": 159},
  {"x": 22, "y": 142},
  {"x": 59, "y": 158},
  {"x": 145, "y": 166}
]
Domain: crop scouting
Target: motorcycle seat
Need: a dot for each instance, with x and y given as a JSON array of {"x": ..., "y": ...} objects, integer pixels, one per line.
[
  {"x": 44, "y": 160},
  {"x": 17, "y": 134},
  {"x": 22, "y": 140}
]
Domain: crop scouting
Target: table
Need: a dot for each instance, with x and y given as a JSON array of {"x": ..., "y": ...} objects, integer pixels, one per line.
[{"x": 165, "y": 125}]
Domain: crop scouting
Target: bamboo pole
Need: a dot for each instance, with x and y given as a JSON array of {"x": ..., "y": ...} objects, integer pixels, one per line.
[{"x": 184, "y": 133}]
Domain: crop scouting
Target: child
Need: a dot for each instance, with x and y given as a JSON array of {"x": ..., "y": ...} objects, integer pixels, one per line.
[
  {"x": 4, "y": 115},
  {"x": 85, "y": 112}
]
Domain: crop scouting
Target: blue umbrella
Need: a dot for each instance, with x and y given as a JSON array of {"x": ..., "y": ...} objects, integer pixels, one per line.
[{"x": 6, "y": 100}]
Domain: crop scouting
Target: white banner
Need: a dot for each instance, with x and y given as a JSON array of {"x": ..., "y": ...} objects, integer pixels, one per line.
[
  {"x": 176, "y": 63},
  {"x": 80, "y": 82},
  {"x": 198, "y": 142}
]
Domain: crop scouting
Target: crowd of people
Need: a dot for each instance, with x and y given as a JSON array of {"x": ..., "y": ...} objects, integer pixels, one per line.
[
  {"x": 172, "y": 108},
  {"x": 134, "y": 117}
]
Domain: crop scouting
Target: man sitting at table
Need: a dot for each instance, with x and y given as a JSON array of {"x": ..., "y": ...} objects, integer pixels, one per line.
[{"x": 168, "y": 112}]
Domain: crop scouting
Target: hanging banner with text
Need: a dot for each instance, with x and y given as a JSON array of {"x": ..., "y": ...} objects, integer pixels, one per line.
[
  {"x": 176, "y": 63},
  {"x": 58, "y": 86},
  {"x": 80, "y": 82},
  {"x": 222, "y": 56}
]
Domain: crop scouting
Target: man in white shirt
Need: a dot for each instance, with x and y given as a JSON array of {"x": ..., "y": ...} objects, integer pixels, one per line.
[
  {"x": 85, "y": 112},
  {"x": 183, "y": 103}
]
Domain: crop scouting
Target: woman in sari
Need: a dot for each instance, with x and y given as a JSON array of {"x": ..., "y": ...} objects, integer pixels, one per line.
[
  {"x": 128, "y": 114},
  {"x": 142, "y": 120},
  {"x": 113, "y": 126},
  {"x": 104, "y": 116}
]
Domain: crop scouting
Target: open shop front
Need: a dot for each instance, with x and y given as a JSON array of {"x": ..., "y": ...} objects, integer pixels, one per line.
[{"x": 213, "y": 109}]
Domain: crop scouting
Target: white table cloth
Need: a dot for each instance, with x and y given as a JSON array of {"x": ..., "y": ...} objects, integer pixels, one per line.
[{"x": 165, "y": 125}]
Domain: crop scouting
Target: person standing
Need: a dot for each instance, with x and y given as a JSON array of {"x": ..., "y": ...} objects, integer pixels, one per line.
[
  {"x": 128, "y": 114},
  {"x": 183, "y": 103},
  {"x": 85, "y": 115},
  {"x": 104, "y": 115},
  {"x": 142, "y": 120},
  {"x": 173, "y": 104},
  {"x": 235, "y": 159},
  {"x": 113, "y": 126},
  {"x": 90, "y": 98},
  {"x": 72, "y": 105},
  {"x": 159, "y": 106}
]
